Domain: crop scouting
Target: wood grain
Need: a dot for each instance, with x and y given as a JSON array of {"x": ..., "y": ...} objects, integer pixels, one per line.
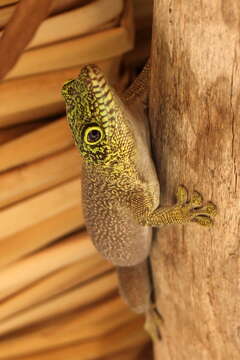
[{"x": 195, "y": 129}]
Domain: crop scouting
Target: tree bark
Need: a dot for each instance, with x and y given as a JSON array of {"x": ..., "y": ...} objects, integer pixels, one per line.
[{"x": 194, "y": 111}]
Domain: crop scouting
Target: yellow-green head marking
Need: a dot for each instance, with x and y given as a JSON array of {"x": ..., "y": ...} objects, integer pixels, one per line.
[{"x": 93, "y": 111}]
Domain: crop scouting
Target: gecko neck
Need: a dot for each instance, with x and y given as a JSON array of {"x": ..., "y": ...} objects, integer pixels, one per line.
[{"x": 124, "y": 171}]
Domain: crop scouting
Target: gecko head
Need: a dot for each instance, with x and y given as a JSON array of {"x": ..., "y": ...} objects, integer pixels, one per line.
[{"x": 96, "y": 119}]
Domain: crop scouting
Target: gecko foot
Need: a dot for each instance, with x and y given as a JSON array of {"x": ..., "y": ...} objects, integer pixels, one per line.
[
  {"x": 193, "y": 210},
  {"x": 152, "y": 323}
]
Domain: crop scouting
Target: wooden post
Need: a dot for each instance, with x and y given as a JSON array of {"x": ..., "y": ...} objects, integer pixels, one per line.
[{"x": 195, "y": 123}]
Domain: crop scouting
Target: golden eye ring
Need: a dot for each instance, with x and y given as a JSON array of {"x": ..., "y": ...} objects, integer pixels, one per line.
[{"x": 93, "y": 135}]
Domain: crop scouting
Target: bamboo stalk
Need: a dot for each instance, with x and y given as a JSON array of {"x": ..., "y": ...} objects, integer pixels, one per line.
[
  {"x": 35, "y": 237},
  {"x": 39, "y": 95},
  {"x": 73, "y": 299},
  {"x": 99, "y": 320},
  {"x": 130, "y": 334},
  {"x": 32, "y": 268},
  {"x": 54, "y": 284},
  {"x": 47, "y": 140},
  {"x": 6, "y": 12},
  {"x": 32, "y": 211},
  {"x": 31, "y": 179},
  {"x": 32, "y": 223},
  {"x": 80, "y": 21},
  {"x": 91, "y": 48}
]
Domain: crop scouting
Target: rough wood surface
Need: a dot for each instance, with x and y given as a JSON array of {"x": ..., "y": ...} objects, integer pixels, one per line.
[{"x": 195, "y": 129}]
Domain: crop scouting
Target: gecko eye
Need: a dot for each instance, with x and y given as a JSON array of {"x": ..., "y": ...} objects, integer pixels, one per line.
[{"x": 93, "y": 134}]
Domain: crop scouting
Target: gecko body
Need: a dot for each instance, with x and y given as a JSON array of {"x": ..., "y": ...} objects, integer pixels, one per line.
[{"x": 121, "y": 192}]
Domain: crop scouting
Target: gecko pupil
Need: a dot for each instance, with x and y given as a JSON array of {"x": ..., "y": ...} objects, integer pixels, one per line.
[{"x": 94, "y": 135}]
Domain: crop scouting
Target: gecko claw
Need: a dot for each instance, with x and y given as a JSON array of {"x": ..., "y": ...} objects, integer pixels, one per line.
[{"x": 193, "y": 210}]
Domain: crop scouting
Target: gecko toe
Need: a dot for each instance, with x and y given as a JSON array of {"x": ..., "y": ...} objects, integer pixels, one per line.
[
  {"x": 203, "y": 220},
  {"x": 196, "y": 200},
  {"x": 209, "y": 210},
  {"x": 182, "y": 195},
  {"x": 153, "y": 323}
]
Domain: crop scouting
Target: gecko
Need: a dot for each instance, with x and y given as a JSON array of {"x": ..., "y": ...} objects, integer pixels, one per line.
[{"x": 120, "y": 187}]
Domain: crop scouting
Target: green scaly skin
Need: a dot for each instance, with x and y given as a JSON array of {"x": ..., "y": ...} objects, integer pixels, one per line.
[{"x": 120, "y": 186}]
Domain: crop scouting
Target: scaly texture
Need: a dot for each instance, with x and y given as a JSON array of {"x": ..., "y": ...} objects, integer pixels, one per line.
[
  {"x": 103, "y": 133},
  {"x": 120, "y": 186}
]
